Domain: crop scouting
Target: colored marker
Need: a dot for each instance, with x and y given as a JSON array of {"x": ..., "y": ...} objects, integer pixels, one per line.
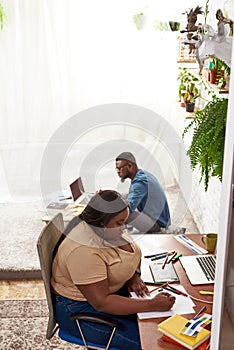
[
  {"x": 177, "y": 257},
  {"x": 154, "y": 255}
]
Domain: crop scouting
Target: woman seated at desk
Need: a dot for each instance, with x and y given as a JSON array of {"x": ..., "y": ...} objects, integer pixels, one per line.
[{"x": 96, "y": 266}]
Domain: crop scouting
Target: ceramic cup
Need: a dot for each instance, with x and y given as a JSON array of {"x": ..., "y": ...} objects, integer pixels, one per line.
[{"x": 210, "y": 241}]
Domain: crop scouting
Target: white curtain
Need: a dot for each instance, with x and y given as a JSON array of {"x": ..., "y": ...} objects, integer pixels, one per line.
[{"x": 61, "y": 57}]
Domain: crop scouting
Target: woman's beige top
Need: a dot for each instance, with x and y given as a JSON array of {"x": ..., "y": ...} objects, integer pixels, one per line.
[{"x": 83, "y": 258}]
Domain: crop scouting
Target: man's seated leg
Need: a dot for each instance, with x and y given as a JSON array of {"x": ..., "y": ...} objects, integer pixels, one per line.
[{"x": 143, "y": 223}]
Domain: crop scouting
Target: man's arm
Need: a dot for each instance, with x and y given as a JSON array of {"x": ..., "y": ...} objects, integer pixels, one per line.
[{"x": 136, "y": 194}]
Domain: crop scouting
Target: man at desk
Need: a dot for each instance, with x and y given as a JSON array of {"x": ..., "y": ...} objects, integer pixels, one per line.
[{"x": 149, "y": 210}]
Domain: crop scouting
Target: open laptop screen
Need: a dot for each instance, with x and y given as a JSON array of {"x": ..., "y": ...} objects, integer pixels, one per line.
[{"x": 77, "y": 188}]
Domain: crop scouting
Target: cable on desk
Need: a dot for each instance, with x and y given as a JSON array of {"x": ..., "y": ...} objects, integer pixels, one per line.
[{"x": 203, "y": 301}]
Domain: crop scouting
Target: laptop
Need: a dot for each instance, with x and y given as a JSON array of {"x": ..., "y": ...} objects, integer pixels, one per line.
[
  {"x": 200, "y": 269},
  {"x": 79, "y": 195}
]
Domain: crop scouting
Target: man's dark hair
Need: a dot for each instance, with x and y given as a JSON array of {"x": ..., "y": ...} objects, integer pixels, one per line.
[{"x": 126, "y": 156}]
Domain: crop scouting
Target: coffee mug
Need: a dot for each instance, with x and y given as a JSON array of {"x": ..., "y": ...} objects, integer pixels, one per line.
[{"x": 210, "y": 241}]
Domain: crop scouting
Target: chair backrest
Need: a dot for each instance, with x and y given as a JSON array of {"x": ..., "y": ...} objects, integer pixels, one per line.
[{"x": 47, "y": 241}]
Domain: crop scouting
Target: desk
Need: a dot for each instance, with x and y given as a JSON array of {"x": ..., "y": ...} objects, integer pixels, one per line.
[
  {"x": 69, "y": 213},
  {"x": 150, "y": 337}
]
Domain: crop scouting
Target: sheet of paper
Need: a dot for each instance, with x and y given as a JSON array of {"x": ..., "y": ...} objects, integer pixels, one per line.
[
  {"x": 183, "y": 305},
  {"x": 147, "y": 248}
]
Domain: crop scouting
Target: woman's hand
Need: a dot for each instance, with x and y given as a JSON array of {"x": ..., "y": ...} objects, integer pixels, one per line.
[
  {"x": 135, "y": 284},
  {"x": 163, "y": 302}
]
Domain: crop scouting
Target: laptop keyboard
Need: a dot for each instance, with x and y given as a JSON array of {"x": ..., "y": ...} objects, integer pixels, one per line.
[{"x": 207, "y": 263}]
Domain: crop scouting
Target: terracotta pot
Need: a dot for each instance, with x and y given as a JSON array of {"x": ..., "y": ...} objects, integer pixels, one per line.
[{"x": 215, "y": 74}]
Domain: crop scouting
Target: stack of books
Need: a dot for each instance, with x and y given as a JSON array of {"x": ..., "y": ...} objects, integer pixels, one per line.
[{"x": 172, "y": 327}]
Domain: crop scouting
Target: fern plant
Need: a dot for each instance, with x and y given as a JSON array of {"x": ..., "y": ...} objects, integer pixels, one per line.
[{"x": 207, "y": 145}]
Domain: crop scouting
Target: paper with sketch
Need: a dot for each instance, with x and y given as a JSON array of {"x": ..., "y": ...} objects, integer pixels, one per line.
[{"x": 183, "y": 305}]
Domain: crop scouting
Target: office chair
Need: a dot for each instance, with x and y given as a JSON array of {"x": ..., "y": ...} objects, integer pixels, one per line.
[{"x": 47, "y": 244}]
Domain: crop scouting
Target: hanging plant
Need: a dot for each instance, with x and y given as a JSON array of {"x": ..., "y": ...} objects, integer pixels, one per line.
[
  {"x": 207, "y": 146},
  {"x": 2, "y": 16}
]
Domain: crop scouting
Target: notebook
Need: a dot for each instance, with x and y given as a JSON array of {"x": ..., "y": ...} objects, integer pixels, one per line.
[
  {"x": 168, "y": 274},
  {"x": 173, "y": 326},
  {"x": 200, "y": 269},
  {"x": 203, "y": 346},
  {"x": 79, "y": 195}
]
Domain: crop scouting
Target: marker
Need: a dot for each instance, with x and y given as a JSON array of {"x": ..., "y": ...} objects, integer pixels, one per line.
[
  {"x": 65, "y": 198},
  {"x": 172, "y": 257},
  {"x": 199, "y": 312},
  {"x": 161, "y": 286},
  {"x": 165, "y": 262},
  {"x": 177, "y": 257},
  {"x": 154, "y": 255},
  {"x": 177, "y": 291},
  {"x": 163, "y": 255},
  {"x": 205, "y": 292},
  {"x": 159, "y": 257},
  {"x": 171, "y": 290}
]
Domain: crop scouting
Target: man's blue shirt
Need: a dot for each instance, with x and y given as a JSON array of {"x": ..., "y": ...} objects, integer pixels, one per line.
[{"x": 147, "y": 196}]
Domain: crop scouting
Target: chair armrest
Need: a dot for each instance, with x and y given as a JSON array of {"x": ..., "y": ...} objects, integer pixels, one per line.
[{"x": 88, "y": 316}]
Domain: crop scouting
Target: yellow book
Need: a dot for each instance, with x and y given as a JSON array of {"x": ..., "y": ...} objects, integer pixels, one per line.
[{"x": 172, "y": 327}]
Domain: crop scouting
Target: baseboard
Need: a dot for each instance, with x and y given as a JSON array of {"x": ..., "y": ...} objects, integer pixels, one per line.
[{"x": 20, "y": 275}]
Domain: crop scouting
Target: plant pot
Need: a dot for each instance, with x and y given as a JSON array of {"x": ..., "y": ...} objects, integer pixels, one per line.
[
  {"x": 189, "y": 106},
  {"x": 215, "y": 75}
]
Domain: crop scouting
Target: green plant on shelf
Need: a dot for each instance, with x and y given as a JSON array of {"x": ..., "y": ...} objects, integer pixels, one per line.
[
  {"x": 191, "y": 92},
  {"x": 222, "y": 71},
  {"x": 207, "y": 146},
  {"x": 188, "y": 89}
]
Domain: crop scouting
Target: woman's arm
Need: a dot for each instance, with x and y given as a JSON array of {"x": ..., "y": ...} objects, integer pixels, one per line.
[{"x": 99, "y": 296}]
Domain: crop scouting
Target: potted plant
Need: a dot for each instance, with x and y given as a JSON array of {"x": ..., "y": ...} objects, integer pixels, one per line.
[
  {"x": 191, "y": 94},
  {"x": 216, "y": 70},
  {"x": 183, "y": 77},
  {"x": 207, "y": 146},
  {"x": 188, "y": 86}
]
